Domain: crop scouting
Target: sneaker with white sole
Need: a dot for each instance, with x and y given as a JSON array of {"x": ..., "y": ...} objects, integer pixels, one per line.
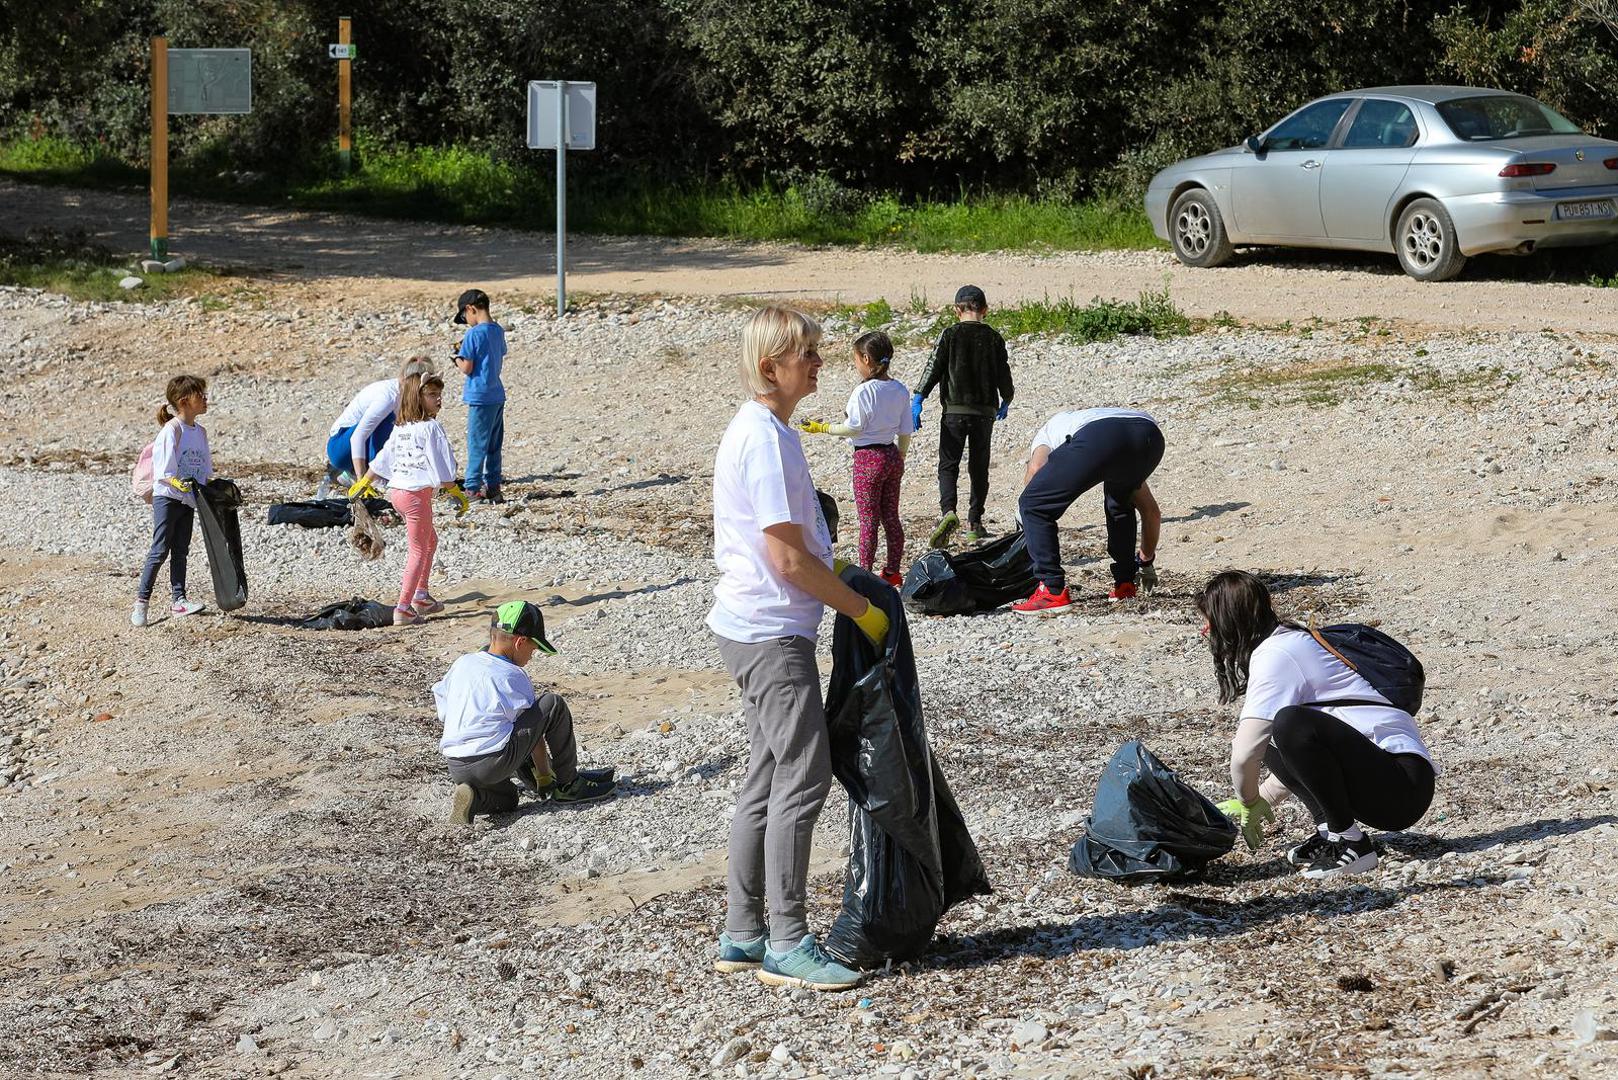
[
  {"x": 1341, "y": 858},
  {"x": 737, "y": 956},
  {"x": 807, "y": 966},
  {"x": 138, "y": 616},
  {"x": 426, "y": 605},
  {"x": 182, "y": 606},
  {"x": 1304, "y": 854}
]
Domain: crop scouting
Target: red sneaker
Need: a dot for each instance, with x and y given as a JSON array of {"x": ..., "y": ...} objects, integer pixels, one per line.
[
  {"x": 1124, "y": 590},
  {"x": 1044, "y": 602},
  {"x": 893, "y": 579}
]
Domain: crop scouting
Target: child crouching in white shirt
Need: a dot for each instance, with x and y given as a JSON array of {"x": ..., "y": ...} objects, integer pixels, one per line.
[{"x": 417, "y": 462}]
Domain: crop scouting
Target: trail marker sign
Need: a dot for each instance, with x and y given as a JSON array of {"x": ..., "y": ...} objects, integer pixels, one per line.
[
  {"x": 561, "y": 117},
  {"x": 343, "y": 52},
  {"x": 210, "y": 81}
]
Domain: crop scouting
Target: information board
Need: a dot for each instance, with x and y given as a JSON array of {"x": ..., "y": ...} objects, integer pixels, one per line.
[{"x": 210, "y": 81}]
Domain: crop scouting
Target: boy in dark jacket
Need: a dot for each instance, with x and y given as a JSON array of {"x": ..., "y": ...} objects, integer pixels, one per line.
[{"x": 970, "y": 369}]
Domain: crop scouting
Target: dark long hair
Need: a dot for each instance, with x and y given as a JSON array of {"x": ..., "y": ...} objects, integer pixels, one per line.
[{"x": 1240, "y": 616}]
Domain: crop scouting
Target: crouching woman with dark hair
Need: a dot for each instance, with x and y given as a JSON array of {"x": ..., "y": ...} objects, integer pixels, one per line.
[{"x": 1350, "y": 764}]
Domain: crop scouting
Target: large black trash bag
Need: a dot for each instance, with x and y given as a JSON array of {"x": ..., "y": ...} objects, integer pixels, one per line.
[
  {"x": 1148, "y": 824},
  {"x": 940, "y": 583},
  {"x": 217, "y": 501},
  {"x": 321, "y": 513},
  {"x": 356, "y": 614},
  {"x": 910, "y": 855}
]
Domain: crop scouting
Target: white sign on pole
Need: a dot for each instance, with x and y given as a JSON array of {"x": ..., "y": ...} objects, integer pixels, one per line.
[
  {"x": 343, "y": 52},
  {"x": 210, "y": 81},
  {"x": 542, "y": 112}
]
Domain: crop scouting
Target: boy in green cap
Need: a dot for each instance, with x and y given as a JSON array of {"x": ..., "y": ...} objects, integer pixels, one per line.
[{"x": 497, "y": 728}]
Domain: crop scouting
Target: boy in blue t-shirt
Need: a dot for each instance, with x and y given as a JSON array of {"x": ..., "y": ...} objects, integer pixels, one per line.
[{"x": 480, "y": 356}]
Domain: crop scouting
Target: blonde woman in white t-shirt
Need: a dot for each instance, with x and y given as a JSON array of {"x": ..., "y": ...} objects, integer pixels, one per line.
[
  {"x": 418, "y": 463},
  {"x": 776, "y": 579},
  {"x": 880, "y": 426},
  {"x": 1350, "y": 765}
]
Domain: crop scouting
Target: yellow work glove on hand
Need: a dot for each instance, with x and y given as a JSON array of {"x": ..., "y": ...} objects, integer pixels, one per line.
[
  {"x": 815, "y": 427},
  {"x": 363, "y": 489},
  {"x": 463, "y": 502},
  {"x": 1248, "y": 817},
  {"x": 179, "y": 485},
  {"x": 874, "y": 623}
]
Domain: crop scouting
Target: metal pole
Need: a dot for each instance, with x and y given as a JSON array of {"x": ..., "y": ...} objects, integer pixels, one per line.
[
  {"x": 160, "y": 148},
  {"x": 561, "y": 197},
  {"x": 345, "y": 141}
]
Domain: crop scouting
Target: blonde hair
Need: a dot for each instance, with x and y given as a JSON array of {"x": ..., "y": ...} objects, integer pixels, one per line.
[
  {"x": 180, "y": 387},
  {"x": 773, "y": 332},
  {"x": 411, "y": 410}
]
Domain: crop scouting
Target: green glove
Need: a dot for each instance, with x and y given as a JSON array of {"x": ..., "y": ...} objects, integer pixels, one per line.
[
  {"x": 463, "y": 503},
  {"x": 1249, "y": 817},
  {"x": 363, "y": 489},
  {"x": 815, "y": 427},
  {"x": 874, "y": 622}
]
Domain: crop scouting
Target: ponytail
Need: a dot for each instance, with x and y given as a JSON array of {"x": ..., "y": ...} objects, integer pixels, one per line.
[
  {"x": 164, "y": 415},
  {"x": 180, "y": 387}
]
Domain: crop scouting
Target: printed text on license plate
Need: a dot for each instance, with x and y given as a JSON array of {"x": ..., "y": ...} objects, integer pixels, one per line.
[{"x": 1596, "y": 208}]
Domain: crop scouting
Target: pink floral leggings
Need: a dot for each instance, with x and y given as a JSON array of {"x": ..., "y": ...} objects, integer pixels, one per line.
[{"x": 877, "y": 472}]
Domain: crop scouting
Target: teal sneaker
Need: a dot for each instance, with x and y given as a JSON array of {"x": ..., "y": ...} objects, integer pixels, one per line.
[
  {"x": 737, "y": 956},
  {"x": 807, "y": 966},
  {"x": 941, "y": 533}
]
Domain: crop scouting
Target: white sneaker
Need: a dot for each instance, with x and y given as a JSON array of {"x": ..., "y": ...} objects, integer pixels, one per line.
[
  {"x": 138, "y": 616},
  {"x": 187, "y": 607}
]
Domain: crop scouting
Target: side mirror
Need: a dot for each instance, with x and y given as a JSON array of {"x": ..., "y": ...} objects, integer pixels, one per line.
[{"x": 1255, "y": 144}]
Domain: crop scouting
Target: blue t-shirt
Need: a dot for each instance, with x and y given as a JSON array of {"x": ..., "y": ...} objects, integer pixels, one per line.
[{"x": 485, "y": 346}]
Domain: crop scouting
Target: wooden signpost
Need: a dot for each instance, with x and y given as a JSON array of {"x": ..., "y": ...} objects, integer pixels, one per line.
[
  {"x": 345, "y": 61},
  {"x": 209, "y": 81}
]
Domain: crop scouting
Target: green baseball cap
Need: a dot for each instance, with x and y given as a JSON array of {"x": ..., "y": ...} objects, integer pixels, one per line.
[{"x": 523, "y": 619}]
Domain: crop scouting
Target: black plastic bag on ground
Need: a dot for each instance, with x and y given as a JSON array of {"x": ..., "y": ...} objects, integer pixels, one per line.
[
  {"x": 356, "y": 614},
  {"x": 1148, "y": 824},
  {"x": 217, "y": 502},
  {"x": 982, "y": 579},
  {"x": 321, "y": 513},
  {"x": 910, "y": 855}
]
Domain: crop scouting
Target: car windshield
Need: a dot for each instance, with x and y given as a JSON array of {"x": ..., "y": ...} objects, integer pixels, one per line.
[{"x": 1503, "y": 116}]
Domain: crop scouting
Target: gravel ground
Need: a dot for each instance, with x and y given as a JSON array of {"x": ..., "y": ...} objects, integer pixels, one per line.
[{"x": 222, "y": 850}]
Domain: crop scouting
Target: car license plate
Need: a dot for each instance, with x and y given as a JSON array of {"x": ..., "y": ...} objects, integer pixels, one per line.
[{"x": 1594, "y": 208}]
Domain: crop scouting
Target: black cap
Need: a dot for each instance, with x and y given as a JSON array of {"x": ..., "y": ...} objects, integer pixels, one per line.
[
  {"x": 970, "y": 296},
  {"x": 523, "y": 619},
  {"x": 471, "y": 298}
]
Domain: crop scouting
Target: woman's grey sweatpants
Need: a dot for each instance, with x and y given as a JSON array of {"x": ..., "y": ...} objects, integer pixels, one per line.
[{"x": 788, "y": 775}]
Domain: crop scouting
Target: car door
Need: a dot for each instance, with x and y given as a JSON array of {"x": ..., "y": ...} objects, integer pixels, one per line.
[
  {"x": 1276, "y": 192},
  {"x": 1365, "y": 169}
]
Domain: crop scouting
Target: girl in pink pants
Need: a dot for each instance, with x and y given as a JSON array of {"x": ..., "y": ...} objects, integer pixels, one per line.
[
  {"x": 880, "y": 425},
  {"x": 417, "y": 462}
]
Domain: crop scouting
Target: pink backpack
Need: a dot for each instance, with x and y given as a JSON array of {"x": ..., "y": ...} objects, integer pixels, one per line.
[{"x": 140, "y": 481}]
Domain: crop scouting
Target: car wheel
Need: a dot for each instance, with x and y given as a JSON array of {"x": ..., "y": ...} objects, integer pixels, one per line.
[
  {"x": 1428, "y": 248},
  {"x": 1197, "y": 230}
]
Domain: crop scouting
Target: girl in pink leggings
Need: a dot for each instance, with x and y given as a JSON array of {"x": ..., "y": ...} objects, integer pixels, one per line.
[
  {"x": 417, "y": 462},
  {"x": 880, "y": 425}
]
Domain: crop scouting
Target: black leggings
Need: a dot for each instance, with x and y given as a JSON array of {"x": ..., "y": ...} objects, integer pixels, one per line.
[{"x": 1344, "y": 777}]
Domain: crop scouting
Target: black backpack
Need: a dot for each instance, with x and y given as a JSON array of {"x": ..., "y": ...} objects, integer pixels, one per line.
[{"x": 1392, "y": 670}]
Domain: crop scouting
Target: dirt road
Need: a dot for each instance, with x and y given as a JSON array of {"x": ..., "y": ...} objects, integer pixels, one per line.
[{"x": 388, "y": 259}]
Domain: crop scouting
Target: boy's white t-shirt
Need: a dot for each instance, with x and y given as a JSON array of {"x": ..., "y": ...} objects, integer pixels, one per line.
[
  {"x": 879, "y": 410},
  {"x": 1059, "y": 428},
  {"x": 373, "y": 404},
  {"x": 478, "y": 700},
  {"x": 416, "y": 456},
  {"x": 181, "y": 451},
  {"x": 1290, "y": 668},
  {"x": 761, "y": 478}
]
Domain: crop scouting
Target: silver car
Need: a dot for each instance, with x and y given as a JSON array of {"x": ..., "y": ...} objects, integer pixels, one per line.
[{"x": 1432, "y": 173}]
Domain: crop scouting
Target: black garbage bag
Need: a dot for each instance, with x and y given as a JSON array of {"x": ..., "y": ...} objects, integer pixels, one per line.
[
  {"x": 356, "y": 614},
  {"x": 910, "y": 855},
  {"x": 321, "y": 513},
  {"x": 984, "y": 578},
  {"x": 1148, "y": 824},
  {"x": 217, "y": 502}
]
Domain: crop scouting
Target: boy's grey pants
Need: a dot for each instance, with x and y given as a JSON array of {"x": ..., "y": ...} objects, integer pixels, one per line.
[{"x": 788, "y": 775}]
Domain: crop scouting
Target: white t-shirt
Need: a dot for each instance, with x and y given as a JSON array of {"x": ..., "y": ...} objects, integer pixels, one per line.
[
  {"x": 416, "y": 456},
  {"x": 372, "y": 405},
  {"x": 879, "y": 411},
  {"x": 181, "y": 451},
  {"x": 761, "y": 478},
  {"x": 478, "y": 699},
  {"x": 1059, "y": 428},
  {"x": 1290, "y": 668}
]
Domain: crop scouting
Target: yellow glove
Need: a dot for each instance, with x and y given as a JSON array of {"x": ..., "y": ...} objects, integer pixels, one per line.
[
  {"x": 815, "y": 427},
  {"x": 363, "y": 489},
  {"x": 179, "y": 485},
  {"x": 839, "y": 565},
  {"x": 1249, "y": 818},
  {"x": 463, "y": 503},
  {"x": 874, "y": 622}
]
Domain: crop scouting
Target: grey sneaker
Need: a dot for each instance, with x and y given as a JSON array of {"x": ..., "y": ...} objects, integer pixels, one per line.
[
  {"x": 807, "y": 966},
  {"x": 138, "y": 616},
  {"x": 460, "y": 810},
  {"x": 737, "y": 956}
]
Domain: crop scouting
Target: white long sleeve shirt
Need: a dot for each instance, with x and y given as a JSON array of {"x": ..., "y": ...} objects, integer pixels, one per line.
[{"x": 180, "y": 451}]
